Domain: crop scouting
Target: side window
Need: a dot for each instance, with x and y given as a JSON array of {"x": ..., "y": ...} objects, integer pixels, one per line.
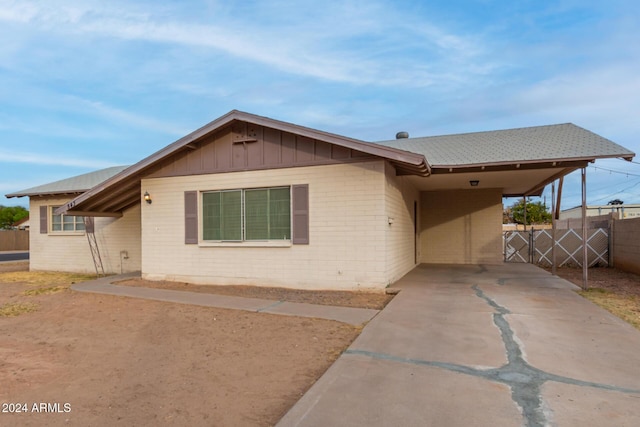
[{"x": 65, "y": 223}]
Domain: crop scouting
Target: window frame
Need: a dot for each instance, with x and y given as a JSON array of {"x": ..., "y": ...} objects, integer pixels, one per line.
[
  {"x": 243, "y": 220},
  {"x": 79, "y": 226}
]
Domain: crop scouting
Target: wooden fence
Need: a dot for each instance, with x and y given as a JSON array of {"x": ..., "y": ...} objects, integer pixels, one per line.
[{"x": 14, "y": 240}]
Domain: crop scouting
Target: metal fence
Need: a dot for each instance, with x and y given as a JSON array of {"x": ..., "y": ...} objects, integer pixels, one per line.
[{"x": 535, "y": 246}]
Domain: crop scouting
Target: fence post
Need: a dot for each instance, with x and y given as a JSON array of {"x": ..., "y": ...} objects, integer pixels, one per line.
[
  {"x": 531, "y": 246},
  {"x": 612, "y": 243}
]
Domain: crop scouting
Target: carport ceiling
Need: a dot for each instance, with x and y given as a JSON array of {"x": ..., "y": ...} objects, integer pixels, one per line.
[{"x": 512, "y": 182}]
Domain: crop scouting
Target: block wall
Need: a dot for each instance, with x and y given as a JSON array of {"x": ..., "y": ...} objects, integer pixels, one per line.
[
  {"x": 347, "y": 231},
  {"x": 118, "y": 240},
  {"x": 626, "y": 245}
]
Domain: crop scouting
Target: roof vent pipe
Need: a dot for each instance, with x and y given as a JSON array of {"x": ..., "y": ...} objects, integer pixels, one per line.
[{"x": 402, "y": 135}]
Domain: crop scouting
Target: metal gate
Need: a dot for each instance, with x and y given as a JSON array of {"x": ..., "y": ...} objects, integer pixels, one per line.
[{"x": 535, "y": 246}]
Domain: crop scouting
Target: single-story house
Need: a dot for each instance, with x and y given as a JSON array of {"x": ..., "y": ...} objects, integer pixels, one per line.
[{"x": 251, "y": 200}]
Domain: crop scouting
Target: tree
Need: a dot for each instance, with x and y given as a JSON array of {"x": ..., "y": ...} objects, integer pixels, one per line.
[
  {"x": 615, "y": 202},
  {"x": 9, "y": 215},
  {"x": 537, "y": 213}
]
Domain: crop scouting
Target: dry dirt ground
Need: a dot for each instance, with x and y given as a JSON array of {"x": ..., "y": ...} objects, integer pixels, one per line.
[
  {"x": 103, "y": 360},
  {"x": 615, "y": 290}
]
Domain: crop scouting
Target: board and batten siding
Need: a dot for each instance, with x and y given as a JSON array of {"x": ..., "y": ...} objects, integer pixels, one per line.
[
  {"x": 55, "y": 251},
  {"x": 347, "y": 231}
]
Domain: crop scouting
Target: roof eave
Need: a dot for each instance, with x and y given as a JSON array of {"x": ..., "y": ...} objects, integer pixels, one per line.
[{"x": 559, "y": 162}]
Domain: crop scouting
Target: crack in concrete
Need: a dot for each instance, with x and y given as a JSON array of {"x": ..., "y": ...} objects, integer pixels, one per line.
[{"x": 524, "y": 380}]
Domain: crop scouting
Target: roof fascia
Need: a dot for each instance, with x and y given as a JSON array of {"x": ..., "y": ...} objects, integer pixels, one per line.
[
  {"x": 45, "y": 194},
  {"x": 508, "y": 166}
]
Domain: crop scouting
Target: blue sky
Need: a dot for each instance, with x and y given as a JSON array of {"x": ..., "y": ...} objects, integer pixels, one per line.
[{"x": 86, "y": 84}]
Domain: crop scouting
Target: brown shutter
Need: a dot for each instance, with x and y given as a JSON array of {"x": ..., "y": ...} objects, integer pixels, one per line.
[
  {"x": 190, "y": 217},
  {"x": 300, "y": 203},
  {"x": 89, "y": 224},
  {"x": 44, "y": 217}
]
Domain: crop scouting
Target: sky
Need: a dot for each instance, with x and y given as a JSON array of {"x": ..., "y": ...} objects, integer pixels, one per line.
[{"x": 87, "y": 84}]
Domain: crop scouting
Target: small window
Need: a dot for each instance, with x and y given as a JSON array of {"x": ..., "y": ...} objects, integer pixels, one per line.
[
  {"x": 247, "y": 215},
  {"x": 65, "y": 223}
]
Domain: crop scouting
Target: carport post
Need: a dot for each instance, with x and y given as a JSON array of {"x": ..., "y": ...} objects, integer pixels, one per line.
[
  {"x": 585, "y": 253},
  {"x": 553, "y": 228},
  {"x": 524, "y": 203}
]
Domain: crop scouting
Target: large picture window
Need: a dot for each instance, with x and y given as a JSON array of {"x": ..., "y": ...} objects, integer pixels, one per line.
[
  {"x": 66, "y": 223},
  {"x": 247, "y": 215}
]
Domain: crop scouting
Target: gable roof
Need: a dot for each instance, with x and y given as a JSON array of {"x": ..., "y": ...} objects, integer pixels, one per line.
[
  {"x": 123, "y": 190},
  {"x": 74, "y": 185},
  {"x": 553, "y": 143},
  {"x": 545, "y": 152}
]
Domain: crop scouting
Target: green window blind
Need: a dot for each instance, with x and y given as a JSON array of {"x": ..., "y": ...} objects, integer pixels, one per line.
[
  {"x": 222, "y": 215},
  {"x": 268, "y": 214}
]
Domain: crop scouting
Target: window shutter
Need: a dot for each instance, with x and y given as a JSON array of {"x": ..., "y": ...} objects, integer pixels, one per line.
[
  {"x": 300, "y": 204},
  {"x": 190, "y": 217},
  {"x": 89, "y": 224},
  {"x": 44, "y": 224}
]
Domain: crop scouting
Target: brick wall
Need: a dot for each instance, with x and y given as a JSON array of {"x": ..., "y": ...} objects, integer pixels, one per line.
[
  {"x": 401, "y": 240},
  {"x": 347, "y": 231},
  {"x": 626, "y": 245},
  {"x": 118, "y": 240}
]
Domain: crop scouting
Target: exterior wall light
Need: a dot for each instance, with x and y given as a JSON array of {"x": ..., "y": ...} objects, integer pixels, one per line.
[
  {"x": 147, "y": 197},
  {"x": 474, "y": 183}
]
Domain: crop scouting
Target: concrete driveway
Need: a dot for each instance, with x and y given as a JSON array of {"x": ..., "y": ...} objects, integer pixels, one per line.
[{"x": 507, "y": 345}]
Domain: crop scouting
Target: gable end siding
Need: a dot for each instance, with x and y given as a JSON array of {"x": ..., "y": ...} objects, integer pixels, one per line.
[{"x": 242, "y": 147}]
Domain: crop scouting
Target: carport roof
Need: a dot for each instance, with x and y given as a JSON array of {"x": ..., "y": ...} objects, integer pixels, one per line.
[{"x": 553, "y": 143}]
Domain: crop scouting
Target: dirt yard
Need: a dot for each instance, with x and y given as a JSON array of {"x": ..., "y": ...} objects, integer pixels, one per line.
[
  {"x": 613, "y": 289},
  {"x": 103, "y": 360}
]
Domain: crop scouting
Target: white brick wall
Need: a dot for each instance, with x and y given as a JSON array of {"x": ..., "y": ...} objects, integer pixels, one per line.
[
  {"x": 347, "y": 231},
  {"x": 400, "y": 196},
  {"x": 70, "y": 251}
]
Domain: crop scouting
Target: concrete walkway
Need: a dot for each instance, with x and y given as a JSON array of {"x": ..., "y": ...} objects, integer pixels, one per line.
[
  {"x": 352, "y": 316},
  {"x": 505, "y": 345}
]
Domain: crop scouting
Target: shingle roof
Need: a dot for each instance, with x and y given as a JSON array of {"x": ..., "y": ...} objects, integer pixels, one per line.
[
  {"x": 525, "y": 145},
  {"x": 73, "y": 185}
]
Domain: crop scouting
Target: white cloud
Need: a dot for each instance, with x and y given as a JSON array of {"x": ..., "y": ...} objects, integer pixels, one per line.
[
  {"x": 48, "y": 159},
  {"x": 401, "y": 50}
]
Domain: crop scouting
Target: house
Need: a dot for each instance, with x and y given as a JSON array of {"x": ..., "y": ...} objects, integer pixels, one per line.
[
  {"x": 255, "y": 201},
  {"x": 22, "y": 224},
  {"x": 58, "y": 242},
  {"x": 621, "y": 211}
]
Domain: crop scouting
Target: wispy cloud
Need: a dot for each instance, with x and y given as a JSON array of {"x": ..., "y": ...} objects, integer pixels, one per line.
[
  {"x": 325, "y": 47},
  {"x": 48, "y": 159},
  {"x": 118, "y": 115}
]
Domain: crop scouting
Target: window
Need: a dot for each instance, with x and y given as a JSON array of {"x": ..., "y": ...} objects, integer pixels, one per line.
[
  {"x": 65, "y": 223},
  {"x": 247, "y": 215}
]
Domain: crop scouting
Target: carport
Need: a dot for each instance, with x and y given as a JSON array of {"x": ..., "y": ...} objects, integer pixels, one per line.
[
  {"x": 482, "y": 345},
  {"x": 460, "y": 209}
]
